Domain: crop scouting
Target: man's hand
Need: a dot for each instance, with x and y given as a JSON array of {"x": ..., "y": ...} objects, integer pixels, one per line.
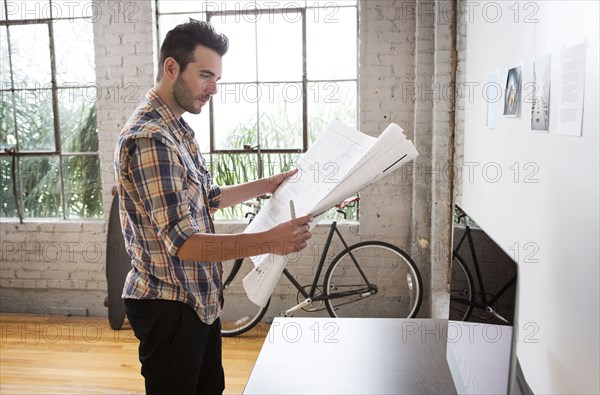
[
  {"x": 276, "y": 180},
  {"x": 289, "y": 236}
]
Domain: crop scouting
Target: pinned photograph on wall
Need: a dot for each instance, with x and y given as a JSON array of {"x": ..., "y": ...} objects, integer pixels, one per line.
[
  {"x": 571, "y": 90},
  {"x": 540, "y": 106},
  {"x": 512, "y": 97},
  {"x": 493, "y": 93}
]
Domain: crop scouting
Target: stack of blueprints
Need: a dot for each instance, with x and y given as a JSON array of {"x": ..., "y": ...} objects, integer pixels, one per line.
[{"x": 341, "y": 162}]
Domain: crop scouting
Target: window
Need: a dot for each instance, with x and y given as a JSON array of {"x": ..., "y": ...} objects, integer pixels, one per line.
[
  {"x": 292, "y": 66},
  {"x": 49, "y": 163}
]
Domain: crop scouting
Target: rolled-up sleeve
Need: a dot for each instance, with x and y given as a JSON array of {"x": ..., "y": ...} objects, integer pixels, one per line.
[
  {"x": 160, "y": 180},
  {"x": 214, "y": 198}
]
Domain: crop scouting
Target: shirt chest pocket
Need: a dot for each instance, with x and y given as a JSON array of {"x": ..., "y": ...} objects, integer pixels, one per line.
[{"x": 197, "y": 186}]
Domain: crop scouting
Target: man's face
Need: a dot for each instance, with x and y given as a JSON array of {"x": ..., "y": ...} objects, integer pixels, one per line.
[{"x": 194, "y": 87}]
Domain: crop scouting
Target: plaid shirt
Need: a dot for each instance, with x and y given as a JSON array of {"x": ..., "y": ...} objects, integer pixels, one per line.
[{"x": 166, "y": 196}]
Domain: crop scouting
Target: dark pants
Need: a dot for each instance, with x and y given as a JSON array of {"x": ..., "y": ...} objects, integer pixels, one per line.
[{"x": 179, "y": 353}]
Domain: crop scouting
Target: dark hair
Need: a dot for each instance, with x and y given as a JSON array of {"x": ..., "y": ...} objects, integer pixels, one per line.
[{"x": 182, "y": 40}]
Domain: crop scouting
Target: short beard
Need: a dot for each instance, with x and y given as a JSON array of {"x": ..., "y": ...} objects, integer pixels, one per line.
[{"x": 183, "y": 96}]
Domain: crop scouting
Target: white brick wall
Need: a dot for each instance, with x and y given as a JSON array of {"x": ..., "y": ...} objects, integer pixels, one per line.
[
  {"x": 432, "y": 199},
  {"x": 124, "y": 41},
  {"x": 386, "y": 34},
  {"x": 66, "y": 256},
  {"x": 125, "y": 46},
  {"x": 442, "y": 143}
]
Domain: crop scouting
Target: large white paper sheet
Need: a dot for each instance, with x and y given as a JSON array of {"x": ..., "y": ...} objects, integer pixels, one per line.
[{"x": 341, "y": 162}]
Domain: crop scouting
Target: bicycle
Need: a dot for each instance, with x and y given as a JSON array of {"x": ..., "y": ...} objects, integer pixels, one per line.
[
  {"x": 366, "y": 279},
  {"x": 464, "y": 298}
]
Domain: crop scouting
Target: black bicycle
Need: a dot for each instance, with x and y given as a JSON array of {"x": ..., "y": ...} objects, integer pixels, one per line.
[
  {"x": 464, "y": 298},
  {"x": 366, "y": 279}
]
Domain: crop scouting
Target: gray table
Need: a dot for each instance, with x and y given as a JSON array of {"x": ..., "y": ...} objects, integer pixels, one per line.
[{"x": 353, "y": 356}]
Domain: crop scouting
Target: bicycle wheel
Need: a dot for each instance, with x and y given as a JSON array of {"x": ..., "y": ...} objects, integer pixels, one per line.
[
  {"x": 461, "y": 291},
  {"x": 373, "y": 279},
  {"x": 239, "y": 313}
]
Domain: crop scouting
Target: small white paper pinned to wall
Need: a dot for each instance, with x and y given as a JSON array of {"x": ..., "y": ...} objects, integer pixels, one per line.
[{"x": 571, "y": 90}]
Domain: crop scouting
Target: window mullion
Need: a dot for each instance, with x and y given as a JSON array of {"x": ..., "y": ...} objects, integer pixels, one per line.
[
  {"x": 304, "y": 85},
  {"x": 258, "y": 153},
  {"x": 12, "y": 89},
  {"x": 357, "y": 70},
  {"x": 211, "y": 121},
  {"x": 57, "y": 137},
  {"x": 54, "y": 89},
  {"x": 16, "y": 167},
  {"x": 18, "y": 196}
]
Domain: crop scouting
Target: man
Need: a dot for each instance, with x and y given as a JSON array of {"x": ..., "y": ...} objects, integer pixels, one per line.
[{"x": 173, "y": 293}]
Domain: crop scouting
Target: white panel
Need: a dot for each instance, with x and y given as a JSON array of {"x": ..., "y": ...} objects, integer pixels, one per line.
[{"x": 542, "y": 208}]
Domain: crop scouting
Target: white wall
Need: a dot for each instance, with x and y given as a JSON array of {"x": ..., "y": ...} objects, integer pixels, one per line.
[{"x": 558, "y": 294}]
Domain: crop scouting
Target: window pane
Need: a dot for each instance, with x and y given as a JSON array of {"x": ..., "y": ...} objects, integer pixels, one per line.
[
  {"x": 85, "y": 8},
  {"x": 35, "y": 120},
  {"x": 231, "y": 169},
  {"x": 277, "y": 163},
  {"x": 7, "y": 125},
  {"x": 82, "y": 186},
  {"x": 285, "y": 4},
  {"x": 235, "y": 115},
  {"x": 40, "y": 180},
  {"x": 77, "y": 115},
  {"x": 31, "y": 9},
  {"x": 239, "y": 64},
  {"x": 7, "y": 200},
  {"x": 280, "y": 47},
  {"x": 331, "y": 43},
  {"x": 74, "y": 48},
  {"x": 4, "y": 60},
  {"x": 30, "y": 51},
  {"x": 180, "y": 6},
  {"x": 246, "y": 7},
  {"x": 281, "y": 115},
  {"x": 328, "y": 101}
]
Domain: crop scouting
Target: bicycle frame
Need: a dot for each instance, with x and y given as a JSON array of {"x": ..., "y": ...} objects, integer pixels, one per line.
[
  {"x": 311, "y": 296},
  {"x": 354, "y": 279},
  {"x": 486, "y": 305}
]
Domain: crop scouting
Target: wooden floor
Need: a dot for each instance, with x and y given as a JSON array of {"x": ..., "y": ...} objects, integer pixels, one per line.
[{"x": 83, "y": 355}]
